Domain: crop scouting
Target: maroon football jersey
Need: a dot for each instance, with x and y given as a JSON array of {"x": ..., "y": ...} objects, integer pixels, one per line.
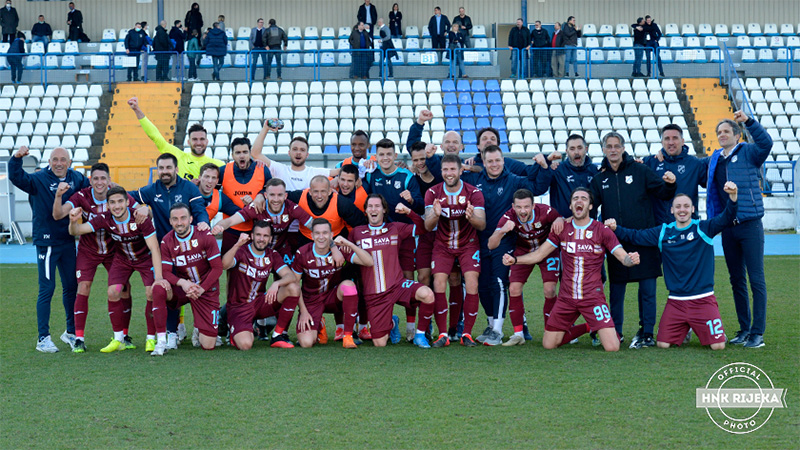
[
  {"x": 189, "y": 258},
  {"x": 382, "y": 243},
  {"x": 99, "y": 243},
  {"x": 280, "y": 222},
  {"x": 582, "y": 255},
  {"x": 249, "y": 274},
  {"x": 453, "y": 228},
  {"x": 129, "y": 237},
  {"x": 532, "y": 234},
  {"x": 318, "y": 272}
]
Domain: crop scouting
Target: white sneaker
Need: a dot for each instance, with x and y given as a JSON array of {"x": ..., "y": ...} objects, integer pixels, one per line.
[
  {"x": 181, "y": 332},
  {"x": 574, "y": 341},
  {"x": 161, "y": 348},
  {"x": 196, "y": 338},
  {"x": 515, "y": 339},
  {"x": 219, "y": 342},
  {"x": 172, "y": 341},
  {"x": 45, "y": 345},
  {"x": 411, "y": 330},
  {"x": 68, "y": 338}
]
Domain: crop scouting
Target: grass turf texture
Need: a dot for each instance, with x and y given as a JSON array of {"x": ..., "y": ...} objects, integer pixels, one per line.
[{"x": 398, "y": 397}]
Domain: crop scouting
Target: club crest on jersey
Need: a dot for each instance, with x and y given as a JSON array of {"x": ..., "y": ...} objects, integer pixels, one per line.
[
  {"x": 690, "y": 236},
  {"x": 178, "y": 198},
  {"x": 500, "y": 190},
  {"x": 589, "y": 234},
  {"x": 681, "y": 168},
  {"x": 735, "y": 158},
  {"x": 285, "y": 218},
  {"x": 133, "y": 226},
  {"x": 195, "y": 243},
  {"x": 397, "y": 184},
  {"x": 78, "y": 274},
  {"x": 537, "y": 225},
  {"x": 462, "y": 199},
  {"x": 628, "y": 179}
]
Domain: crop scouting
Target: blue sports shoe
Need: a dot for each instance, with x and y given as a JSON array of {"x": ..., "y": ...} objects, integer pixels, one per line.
[
  {"x": 394, "y": 336},
  {"x": 420, "y": 341}
]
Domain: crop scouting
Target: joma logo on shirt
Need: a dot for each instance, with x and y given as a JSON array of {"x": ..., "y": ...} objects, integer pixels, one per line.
[{"x": 241, "y": 193}]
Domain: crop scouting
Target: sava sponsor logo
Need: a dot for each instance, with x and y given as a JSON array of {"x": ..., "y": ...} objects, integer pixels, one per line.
[
  {"x": 182, "y": 260},
  {"x": 575, "y": 247},
  {"x": 255, "y": 272}
]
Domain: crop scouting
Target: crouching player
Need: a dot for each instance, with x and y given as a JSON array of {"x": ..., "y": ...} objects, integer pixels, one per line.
[
  {"x": 248, "y": 297},
  {"x": 324, "y": 291},
  {"x": 532, "y": 224},
  {"x": 583, "y": 243},
  {"x": 687, "y": 253},
  {"x": 136, "y": 250},
  {"x": 191, "y": 267},
  {"x": 383, "y": 283}
]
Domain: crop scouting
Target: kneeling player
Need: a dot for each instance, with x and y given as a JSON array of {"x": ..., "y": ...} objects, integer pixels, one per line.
[
  {"x": 248, "y": 297},
  {"x": 191, "y": 267},
  {"x": 687, "y": 253},
  {"x": 583, "y": 243},
  {"x": 532, "y": 223},
  {"x": 323, "y": 287},
  {"x": 383, "y": 283}
]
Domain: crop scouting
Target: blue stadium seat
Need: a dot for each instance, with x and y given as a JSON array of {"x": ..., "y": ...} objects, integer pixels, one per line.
[
  {"x": 496, "y": 110},
  {"x": 478, "y": 86},
  {"x": 452, "y": 124},
  {"x": 448, "y": 86},
  {"x": 504, "y": 147},
  {"x": 449, "y": 98},
  {"x": 481, "y": 111},
  {"x": 451, "y": 111},
  {"x": 495, "y": 98},
  {"x": 330, "y": 149},
  {"x": 463, "y": 86},
  {"x": 479, "y": 98},
  {"x": 492, "y": 86},
  {"x": 466, "y": 111},
  {"x": 469, "y": 138},
  {"x": 483, "y": 122},
  {"x": 500, "y": 124},
  {"x": 344, "y": 149},
  {"x": 471, "y": 148},
  {"x": 464, "y": 98},
  {"x": 468, "y": 124}
]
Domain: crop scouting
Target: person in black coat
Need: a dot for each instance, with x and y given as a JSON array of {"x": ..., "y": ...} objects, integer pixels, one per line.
[
  {"x": 361, "y": 39},
  {"x": 9, "y": 21},
  {"x": 438, "y": 27},
  {"x": 519, "y": 41},
  {"x": 540, "y": 40},
  {"x": 368, "y": 14},
  {"x": 639, "y": 42},
  {"x": 134, "y": 41},
  {"x": 216, "y": 45},
  {"x": 17, "y": 49},
  {"x": 75, "y": 22},
  {"x": 162, "y": 46},
  {"x": 396, "y": 22},
  {"x": 41, "y": 32},
  {"x": 464, "y": 25},
  {"x": 652, "y": 31},
  {"x": 455, "y": 40},
  {"x": 387, "y": 46},
  {"x": 194, "y": 20},
  {"x": 177, "y": 34},
  {"x": 623, "y": 190}
]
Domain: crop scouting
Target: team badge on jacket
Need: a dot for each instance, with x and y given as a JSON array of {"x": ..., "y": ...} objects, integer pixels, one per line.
[{"x": 628, "y": 179}]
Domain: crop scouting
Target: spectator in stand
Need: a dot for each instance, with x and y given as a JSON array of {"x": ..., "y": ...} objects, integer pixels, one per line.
[
  {"x": 540, "y": 40},
  {"x": 387, "y": 46},
  {"x": 653, "y": 33},
  {"x": 455, "y": 40},
  {"x": 639, "y": 43},
  {"x": 276, "y": 41},
  {"x": 17, "y": 49},
  {"x": 519, "y": 41},
  {"x": 216, "y": 47},
  {"x": 438, "y": 27},
  {"x": 464, "y": 23},
  {"x": 221, "y": 22},
  {"x": 75, "y": 22},
  {"x": 194, "y": 20},
  {"x": 134, "y": 41},
  {"x": 41, "y": 32},
  {"x": 177, "y": 38},
  {"x": 258, "y": 47},
  {"x": 9, "y": 21},
  {"x": 396, "y": 22},
  {"x": 360, "y": 39},
  {"x": 368, "y": 14},
  {"x": 557, "y": 58},
  {"x": 194, "y": 50},
  {"x": 162, "y": 47},
  {"x": 571, "y": 33}
]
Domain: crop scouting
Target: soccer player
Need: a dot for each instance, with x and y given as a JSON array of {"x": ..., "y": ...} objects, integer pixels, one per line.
[
  {"x": 188, "y": 164},
  {"x": 214, "y": 199},
  {"x": 324, "y": 289},
  {"x": 55, "y": 248},
  {"x": 532, "y": 223},
  {"x": 583, "y": 243},
  {"x": 249, "y": 266},
  {"x": 319, "y": 200},
  {"x": 93, "y": 250},
  {"x": 456, "y": 210},
  {"x": 687, "y": 253},
  {"x": 191, "y": 268},
  {"x": 296, "y": 175},
  {"x": 137, "y": 250},
  {"x": 359, "y": 146},
  {"x": 349, "y": 186},
  {"x": 575, "y": 171},
  {"x": 383, "y": 283}
]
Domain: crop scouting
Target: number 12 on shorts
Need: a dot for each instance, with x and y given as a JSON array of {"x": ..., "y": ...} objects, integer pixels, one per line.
[
  {"x": 715, "y": 326},
  {"x": 601, "y": 312}
]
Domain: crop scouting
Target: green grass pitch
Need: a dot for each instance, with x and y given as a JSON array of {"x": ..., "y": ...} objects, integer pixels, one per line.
[{"x": 396, "y": 397}]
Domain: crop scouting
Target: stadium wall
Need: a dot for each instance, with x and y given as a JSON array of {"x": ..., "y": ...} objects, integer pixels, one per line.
[{"x": 117, "y": 14}]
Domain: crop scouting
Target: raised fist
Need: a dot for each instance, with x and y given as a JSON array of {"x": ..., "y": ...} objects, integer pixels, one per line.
[
  {"x": 402, "y": 209},
  {"x": 424, "y": 116}
]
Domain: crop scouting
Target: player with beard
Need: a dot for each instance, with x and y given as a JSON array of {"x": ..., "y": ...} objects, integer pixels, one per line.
[
  {"x": 583, "y": 243},
  {"x": 359, "y": 147},
  {"x": 456, "y": 210},
  {"x": 383, "y": 283},
  {"x": 137, "y": 250},
  {"x": 349, "y": 186},
  {"x": 324, "y": 287},
  {"x": 249, "y": 267},
  {"x": 93, "y": 250},
  {"x": 213, "y": 198},
  {"x": 191, "y": 267}
]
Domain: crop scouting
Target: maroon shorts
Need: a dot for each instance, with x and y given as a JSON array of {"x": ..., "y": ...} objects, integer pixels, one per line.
[
  {"x": 444, "y": 259},
  {"x": 242, "y": 315},
  {"x": 380, "y": 306},
  {"x": 550, "y": 268},
  {"x": 701, "y": 315},
  {"x": 424, "y": 254},
  {"x": 205, "y": 309},
  {"x": 320, "y": 304},
  {"x": 122, "y": 268},
  {"x": 406, "y": 248},
  {"x": 87, "y": 264},
  {"x": 567, "y": 310}
]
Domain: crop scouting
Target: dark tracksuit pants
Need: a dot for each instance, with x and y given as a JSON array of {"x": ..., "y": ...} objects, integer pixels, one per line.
[
  {"x": 63, "y": 257},
  {"x": 493, "y": 280},
  {"x": 647, "y": 304},
  {"x": 743, "y": 245}
]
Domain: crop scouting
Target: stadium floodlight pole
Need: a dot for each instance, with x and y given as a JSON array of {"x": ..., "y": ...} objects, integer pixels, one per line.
[
  {"x": 523, "y": 14},
  {"x": 160, "y": 10}
]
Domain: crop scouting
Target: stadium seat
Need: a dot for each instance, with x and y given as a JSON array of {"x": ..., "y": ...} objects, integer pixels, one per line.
[
  {"x": 671, "y": 30},
  {"x": 787, "y": 29},
  {"x": 754, "y": 29},
  {"x": 721, "y": 30},
  {"x": 109, "y": 35},
  {"x": 589, "y": 29},
  {"x": 479, "y": 31},
  {"x": 622, "y": 30}
]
